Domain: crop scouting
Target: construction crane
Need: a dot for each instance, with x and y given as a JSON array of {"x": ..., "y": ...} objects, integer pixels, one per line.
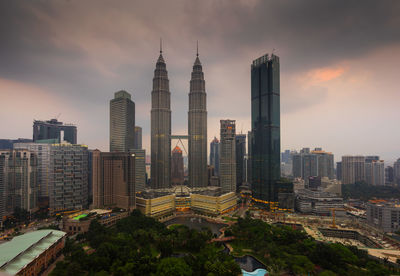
[{"x": 333, "y": 218}]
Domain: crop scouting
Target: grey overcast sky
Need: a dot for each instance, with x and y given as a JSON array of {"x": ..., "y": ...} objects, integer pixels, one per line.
[{"x": 339, "y": 66}]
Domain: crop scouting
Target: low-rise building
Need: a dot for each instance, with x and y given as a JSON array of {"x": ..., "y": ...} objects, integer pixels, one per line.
[
  {"x": 79, "y": 223},
  {"x": 31, "y": 253},
  {"x": 384, "y": 215},
  {"x": 210, "y": 200},
  {"x": 315, "y": 202}
]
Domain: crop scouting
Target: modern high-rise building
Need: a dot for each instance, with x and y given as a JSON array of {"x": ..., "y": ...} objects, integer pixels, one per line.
[
  {"x": 42, "y": 151},
  {"x": 227, "y": 159},
  {"x": 369, "y": 178},
  {"x": 265, "y": 127},
  {"x": 140, "y": 169},
  {"x": 326, "y": 164},
  {"x": 68, "y": 177},
  {"x": 197, "y": 127},
  {"x": 160, "y": 127},
  {"x": 249, "y": 177},
  {"x": 313, "y": 163},
  {"x": 285, "y": 156},
  {"x": 18, "y": 181},
  {"x": 214, "y": 155},
  {"x": 353, "y": 169},
  {"x": 8, "y": 143},
  {"x": 113, "y": 176},
  {"x": 396, "y": 172},
  {"x": 339, "y": 171},
  {"x": 53, "y": 129},
  {"x": 378, "y": 173},
  {"x": 389, "y": 176},
  {"x": 138, "y": 138},
  {"x": 240, "y": 141},
  {"x": 122, "y": 122},
  {"x": 177, "y": 170}
]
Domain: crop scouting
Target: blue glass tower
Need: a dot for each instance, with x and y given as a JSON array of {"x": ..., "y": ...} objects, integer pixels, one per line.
[{"x": 265, "y": 128}]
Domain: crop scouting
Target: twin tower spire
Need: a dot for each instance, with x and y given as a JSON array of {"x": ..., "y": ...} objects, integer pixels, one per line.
[{"x": 161, "y": 127}]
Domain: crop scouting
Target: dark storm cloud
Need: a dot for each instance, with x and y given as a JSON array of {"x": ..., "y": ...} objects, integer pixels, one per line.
[{"x": 83, "y": 51}]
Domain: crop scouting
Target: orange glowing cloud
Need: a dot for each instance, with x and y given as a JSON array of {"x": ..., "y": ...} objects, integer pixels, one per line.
[{"x": 324, "y": 74}]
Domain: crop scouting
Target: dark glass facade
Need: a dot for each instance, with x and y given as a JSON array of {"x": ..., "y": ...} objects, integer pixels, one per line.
[
  {"x": 53, "y": 129},
  {"x": 265, "y": 124}
]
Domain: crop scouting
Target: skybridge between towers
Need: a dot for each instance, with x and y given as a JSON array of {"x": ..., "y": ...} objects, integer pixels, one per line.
[{"x": 180, "y": 138}]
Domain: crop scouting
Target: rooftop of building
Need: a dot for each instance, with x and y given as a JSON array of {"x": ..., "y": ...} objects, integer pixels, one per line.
[
  {"x": 306, "y": 193},
  {"x": 53, "y": 122},
  {"x": 180, "y": 191},
  {"x": 385, "y": 203},
  {"x": 22, "y": 250}
]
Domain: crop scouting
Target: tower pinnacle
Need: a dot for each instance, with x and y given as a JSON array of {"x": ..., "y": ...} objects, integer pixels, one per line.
[
  {"x": 160, "y": 45},
  {"x": 197, "y": 50}
]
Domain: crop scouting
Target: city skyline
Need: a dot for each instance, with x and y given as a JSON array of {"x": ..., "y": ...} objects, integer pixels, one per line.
[{"x": 326, "y": 79}]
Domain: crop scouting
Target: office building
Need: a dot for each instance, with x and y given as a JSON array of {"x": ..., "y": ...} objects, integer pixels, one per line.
[
  {"x": 265, "y": 127},
  {"x": 9, "y": 144},
  {"x": 140, "y": 169},
  {"x": 138, "y": 138},
  {"x": 214, "y": 155},
  {"x": 160, "y": 127},
  {"x": 53, "y": 129},
  {"x": 369, "y": 170},
  {"x": 326, "y": 165},
  {"x": 197, "y": 127},
  {"x": 122, "y": 122},
  {"x": 285, "y": 156},
  {"x": 339, "y": 171},
  {"x": 113, "y": 179},
  {"x": 18, "y": 181},
  {"x": 42, "y": 152},
  {"x": 389, "y": 176},
  {"x": 353, "y": 169},
  {"x": 227, "y": 162},
  {"x": 240, "y": 144},
  {"x": 177, "y": 170},
  {"x": 396, "y": 172},
  {"x": 249, "y": 163},
  {"x": 68, "y": 177},
  {"x": 384, "y": 215},
  {"x": 378, "y": 173}
]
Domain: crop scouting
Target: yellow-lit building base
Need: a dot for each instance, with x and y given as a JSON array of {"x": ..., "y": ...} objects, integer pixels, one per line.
[{"x": 207, "y": 204}]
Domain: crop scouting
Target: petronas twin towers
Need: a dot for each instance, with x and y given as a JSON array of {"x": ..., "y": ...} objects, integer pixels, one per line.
[{"x": 161, "y": 127}]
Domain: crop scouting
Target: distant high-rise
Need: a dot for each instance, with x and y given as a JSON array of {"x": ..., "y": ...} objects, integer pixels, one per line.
[
  {"x": 18, "y": 181},
  {"x": 240, "y": 141},
  {"x": 177, "y": 170},
  {"x": 249, "y": 139},
  {"x": 326, "y": 164},
  {"x": 265, "y": 127},
  {"x": 122, "y": 122},
  {"x": 285, "y": 156},
  {"x": 42, "y": 151},
  {"x": 339, "y": 171},
  {"x": 396, "y": 172},
  {"x": 160, "y": 127},
  {"x": 369, "y": 178},
  {"x": 113, "y": 176},
  {"x": 138, "y": 138},
  {"x": 214, "y": 155},
  {"x": 378, "y": 173},
  {"x": 140, "y": 169},
  {"x": 353, "y": 169},
  {"x": 53, "y": 129},
  {"x": 227, "y": 162},
  {"x": 197, "y": 127},
  {"x": 389, "y": 176}
]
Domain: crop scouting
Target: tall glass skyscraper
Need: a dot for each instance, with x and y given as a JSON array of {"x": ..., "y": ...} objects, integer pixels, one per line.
[
  {"x": 265, "y": 128},
  {"x": 214, "y": 155},
  {"x": 122, "y": 122}
]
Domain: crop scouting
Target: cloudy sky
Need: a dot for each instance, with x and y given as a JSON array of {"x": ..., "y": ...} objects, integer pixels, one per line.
[{"x": 340, "y": 66}]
